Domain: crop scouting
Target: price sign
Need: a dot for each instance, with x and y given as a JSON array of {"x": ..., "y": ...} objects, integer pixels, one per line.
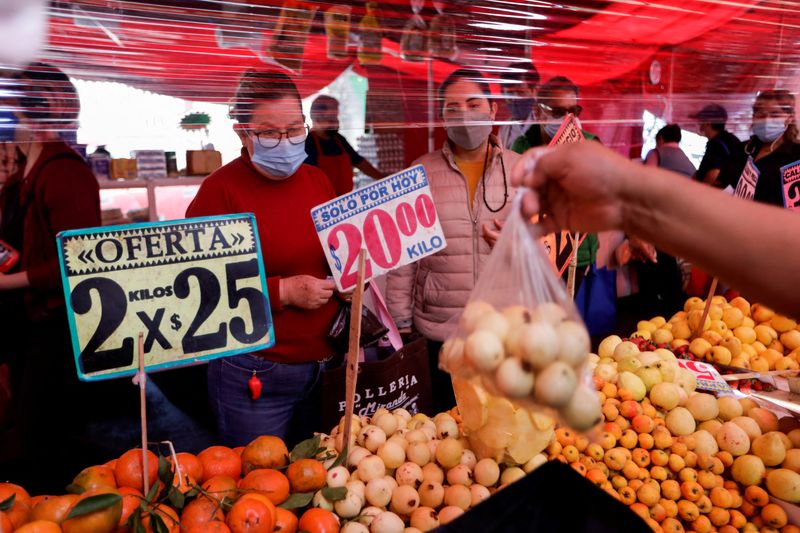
[
  {"x": 746, "y": 187},
  {"x": 195, "y": 288},
  {"x": 394, "y": 219},
  {"x": 560, "y": 247},
  {"x": 707, "y": 376},
  {"x": 569, "y": 132},
  {"x": 791, "y": 186}
]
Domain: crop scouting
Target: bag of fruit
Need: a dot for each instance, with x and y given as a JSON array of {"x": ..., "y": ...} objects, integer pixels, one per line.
[{"x": 518, "y": 357}]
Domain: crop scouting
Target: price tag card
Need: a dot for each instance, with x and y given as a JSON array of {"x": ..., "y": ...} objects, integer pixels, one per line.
[
  {"x": 195, "y": 288},
  {"x": 707, "y": 376},
  {"x": 791, "y": 186},
  {"x": 394, "y": 219},
  {"x": 569, "y": 132},
  {"x": 746, "y": 187}
]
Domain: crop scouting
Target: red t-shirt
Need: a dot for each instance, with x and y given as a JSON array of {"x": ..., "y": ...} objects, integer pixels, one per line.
[
  {"x": 289, "y": 245},
  {"x": 63, "y": 195}
]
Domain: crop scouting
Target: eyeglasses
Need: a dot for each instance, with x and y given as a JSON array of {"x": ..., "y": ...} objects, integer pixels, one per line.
[
  {"x": 272, "y": 138},
  {"x": 558, "y": 112}
]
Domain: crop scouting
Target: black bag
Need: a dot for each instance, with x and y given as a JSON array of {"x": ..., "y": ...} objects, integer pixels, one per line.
[
  {"x": 547, "y": 500},
  {"x": 372, "y": 329},
  {"x": 402, "y": 380}
]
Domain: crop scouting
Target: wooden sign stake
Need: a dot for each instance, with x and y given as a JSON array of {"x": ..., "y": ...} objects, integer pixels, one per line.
[
  {"x": 352, "y": 354},
  {"x": 711, "y": 291},
  {"x": 141, "y": 380},
  {"x": 573, "y": 267}
]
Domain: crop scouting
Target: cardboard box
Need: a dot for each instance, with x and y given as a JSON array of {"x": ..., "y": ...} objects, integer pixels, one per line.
[
  {"x": 150, "y": 164},
  {"x": 123, "y": 169},
  {"x": 202, "y": 162}
]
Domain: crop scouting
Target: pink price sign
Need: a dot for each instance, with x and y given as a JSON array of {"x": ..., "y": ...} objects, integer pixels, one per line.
[
  {"x": 394, "y": 219},
  {"x": 791, "y": 186},
  {"x": 707, "y": 377}
]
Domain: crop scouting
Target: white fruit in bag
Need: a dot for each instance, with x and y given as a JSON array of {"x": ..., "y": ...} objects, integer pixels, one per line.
[
  {"x": 549, "y": 312},
  {"x": 484, "y": 350},
  {"x": 517, "y": 315},
  {"x": 555, "y": 385},
  {"x": 574, "y": 343},
  {"x": 583, "y": 410},
  {"x": 514, "y": 378},
  {"x": 452, "y": 355},
  {"x": 495, "y": 323},
  {"x": 473, "y": 312},
  {"x": 537, "y": 343}
]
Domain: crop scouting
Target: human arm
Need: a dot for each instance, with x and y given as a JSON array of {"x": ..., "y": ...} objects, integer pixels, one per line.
[
  {"x": 367, "y": 168},
  {"x": 587, "y": 187},
  {"x": 10, "y": 282},
  {"x": 652, "y": 159},
  {"x": 711, "y": 176}
]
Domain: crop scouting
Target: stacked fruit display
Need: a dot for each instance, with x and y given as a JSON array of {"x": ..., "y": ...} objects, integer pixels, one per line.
[
  {"x": 734, "y": 333},
  {"x": 683, "y": 460}
]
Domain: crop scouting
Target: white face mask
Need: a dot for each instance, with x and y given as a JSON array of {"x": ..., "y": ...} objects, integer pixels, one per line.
[
  {"x": 769, "y": 129},
  {"x": 470, "y": 130}
]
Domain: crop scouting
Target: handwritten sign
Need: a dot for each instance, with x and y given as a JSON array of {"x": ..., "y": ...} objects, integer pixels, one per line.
[
  {"x": 394, "y": 219},
  {"x": 707, "y": 376},
  {"x": 791, "y": 186},
  {"x": 196, "y": 288},
  {"x": 746, "y": 187}
]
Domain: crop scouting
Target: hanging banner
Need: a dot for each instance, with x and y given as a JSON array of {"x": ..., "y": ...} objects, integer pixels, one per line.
[
  {"x": 395, "y": 219},
  {"x": 791, "y": 186},
  {"x": 195, "y": 288},
  {"x": 746, "y": 187}
]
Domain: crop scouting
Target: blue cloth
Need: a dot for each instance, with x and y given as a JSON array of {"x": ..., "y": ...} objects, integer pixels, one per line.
[
  {"x": 597, "y": 300},
  {"x": 8, "y": 124},
  {"x": 289, "y": 406}
]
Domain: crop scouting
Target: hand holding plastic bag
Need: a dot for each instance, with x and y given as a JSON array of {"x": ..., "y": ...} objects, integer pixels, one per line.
[{"x": 519, "y": 355}]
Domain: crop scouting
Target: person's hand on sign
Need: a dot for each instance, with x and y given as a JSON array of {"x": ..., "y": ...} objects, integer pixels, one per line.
[
  {"x": 306, "y": 292},
  {"x": 491, "y": 235}
]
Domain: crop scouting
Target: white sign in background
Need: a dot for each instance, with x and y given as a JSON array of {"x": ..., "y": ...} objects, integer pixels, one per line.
[
  {"x": 394, "y": 219},
  {"x": 746, "y": 187}
]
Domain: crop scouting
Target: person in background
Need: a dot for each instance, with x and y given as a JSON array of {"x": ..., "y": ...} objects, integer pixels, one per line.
[
  {"x": 587, "y": 187},
  {"x": 520, "y": 83},
  {"x": 772, "y": 146},
  {"x": 721, "y": 145},
  {"x": 469, "y": 180},
  {"x": 555, "y": 99},
  {"x": 668, "y": 154},
  {"x": 50, "y": 189},
  {"x": 328, "y": 150},
  {"x": 270, "y": 180}
]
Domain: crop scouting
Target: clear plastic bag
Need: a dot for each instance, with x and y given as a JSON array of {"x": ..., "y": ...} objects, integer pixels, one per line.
[{"x": 519, "y": 356}]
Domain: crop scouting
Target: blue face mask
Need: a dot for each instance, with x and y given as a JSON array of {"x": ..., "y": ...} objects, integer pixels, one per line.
[
  {"x": 521, "y": 108},
  {"x": 281, "y": 161},
  {"x": 551, "y": 128},
  {"x": 769, "y": 129}
]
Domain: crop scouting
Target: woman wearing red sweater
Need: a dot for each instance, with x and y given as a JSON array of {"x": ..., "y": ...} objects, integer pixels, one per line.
[{"x": 270, "y": 180}]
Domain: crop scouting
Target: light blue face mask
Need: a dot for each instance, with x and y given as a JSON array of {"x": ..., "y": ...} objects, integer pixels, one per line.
[
  {"x": 551, "y": 128},
  {"x": 769, "y": 129},
  {"x": 281, "y": 161}
]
